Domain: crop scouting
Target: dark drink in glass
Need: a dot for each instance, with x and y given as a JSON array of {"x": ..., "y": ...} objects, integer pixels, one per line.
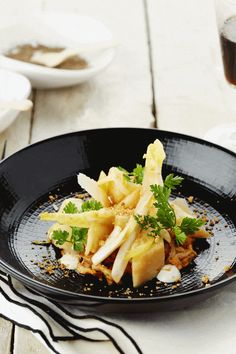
[{"x": 228, "y": 47}]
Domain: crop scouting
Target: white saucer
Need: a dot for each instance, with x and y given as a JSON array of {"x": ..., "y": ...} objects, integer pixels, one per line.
[
  {"x": 55, "y": 30},
  {"x": 224, "y": 135},
  {"x": 13, "y": 86}
]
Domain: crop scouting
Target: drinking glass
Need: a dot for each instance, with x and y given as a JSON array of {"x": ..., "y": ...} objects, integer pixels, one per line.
[
  {"x": 225, "y": 134},
  {"x": 226, "y": 23}
]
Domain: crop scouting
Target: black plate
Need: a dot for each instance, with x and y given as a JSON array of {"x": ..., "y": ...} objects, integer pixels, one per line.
[{"x": 28, "y": 177}]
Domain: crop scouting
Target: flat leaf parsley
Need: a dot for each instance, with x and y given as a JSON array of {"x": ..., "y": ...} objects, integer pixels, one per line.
[
  {"x": 165, "y": 216},
  {"x": 136, "y": 176},
  {"x": 88, "y": 205},
  {"x": 71, "y": 208},
  {"x": 172, "y": 181},
  {"x": 78, "y": 237},
  {"x": 91, "y": 204},
  {"x": 60, "y": 236},
  {"x": 79, "y": 234}
]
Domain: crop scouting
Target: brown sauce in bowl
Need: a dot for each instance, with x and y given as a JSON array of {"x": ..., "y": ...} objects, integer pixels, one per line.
[{"x": 26, "y": 51}]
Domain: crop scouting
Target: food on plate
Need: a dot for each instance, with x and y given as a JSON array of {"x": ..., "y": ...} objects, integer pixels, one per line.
[
  {"x": 169, "y": 274},
  {"x": 27, "y": 52},
  {"x": 130, "y": 224}
]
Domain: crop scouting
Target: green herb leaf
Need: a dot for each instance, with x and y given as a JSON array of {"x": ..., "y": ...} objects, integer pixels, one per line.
[
  {"x": 71, "y": 208},
  {"x": 60, "y": 236},
  {"x": 79, "y": 238},
  {"x": 172, "y": 181},
  {"x": 191, "y": 225},
  {"x": 165, "y": 212},
  {"x": 91, "y": 205},
  {"x": 136, "y": 176},
  {"x": 147, "y": 222},
  {"x": 180, "y": 236},
  {"x": 165, "y": 216}
]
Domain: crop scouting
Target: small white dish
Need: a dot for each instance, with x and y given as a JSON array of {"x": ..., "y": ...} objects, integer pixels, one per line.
[
  {"x": 13, "y": 86},
  {"x": 224, "y": 135},
  {"x": 64, "y": 30}
]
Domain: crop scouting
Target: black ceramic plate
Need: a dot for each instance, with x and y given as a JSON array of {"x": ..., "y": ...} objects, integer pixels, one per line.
[{"x": 50, "y": 167}]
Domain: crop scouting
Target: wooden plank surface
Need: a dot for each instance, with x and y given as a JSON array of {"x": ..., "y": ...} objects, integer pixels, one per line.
[
  {"x": 14, "y": 138},
  {"x": 191, "y": 94},
  {"x": 5, "y": 336},
  {"x": 27, "y": 343},
  {"x": 120, "y": 96}
]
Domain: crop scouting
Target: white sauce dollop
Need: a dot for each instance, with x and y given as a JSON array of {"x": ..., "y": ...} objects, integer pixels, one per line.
[
  {"x": 169, "y": 274},
  {"x": 69, "y": 261}
]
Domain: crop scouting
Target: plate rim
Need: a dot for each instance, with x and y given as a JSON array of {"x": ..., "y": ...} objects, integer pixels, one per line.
[
  {"x": 34, "y": 283},
  {"x": 93, "y": 130}
]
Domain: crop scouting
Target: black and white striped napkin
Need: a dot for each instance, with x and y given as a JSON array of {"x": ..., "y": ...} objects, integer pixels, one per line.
[{"x": 65, "y": 329}]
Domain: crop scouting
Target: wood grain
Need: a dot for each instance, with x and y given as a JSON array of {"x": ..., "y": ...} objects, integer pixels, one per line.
[
  {"x": 27, "y": 343},
  {"x": 191, "y": 94},
  {"x": 13, "y": 139},
  {"x": 121, "y": 95},
  {"x": 5, "y": 336}
]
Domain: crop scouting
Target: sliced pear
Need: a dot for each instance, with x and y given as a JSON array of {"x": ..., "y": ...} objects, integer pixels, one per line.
[
  {"x": 131, "y": 200},
  {"x": 147, "y": 265},
  {"x": 121, "y": 220},
  {"x": 96, "y": 233},
  {"x": 92, "y": 187},
  {"x": 181, "y": 202},
  {"x": 111, "y": 244},
  {"x": 101, "y": 176},
  {"x": 165, "y": 235},
  {"x": 141, "y": 245},
  {"x": 104, "y": 215},
  {"x": 128, "y": 236},
  {"x": 120, "y": 235},
  {"x": 154, "y": 156},
  {"x": 121, "y": 261},
  {"x": 117, "y": 189}
]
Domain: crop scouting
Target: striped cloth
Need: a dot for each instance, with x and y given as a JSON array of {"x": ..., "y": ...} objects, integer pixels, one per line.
[{"x": 65, "y": 329}]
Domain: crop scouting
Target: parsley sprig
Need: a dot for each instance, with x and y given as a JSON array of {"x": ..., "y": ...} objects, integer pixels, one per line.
[
  {"x": 180, "y": 236},
  {"x": 91, "y": 204},
  {"x": 88, "y": 205},
  {"x": 79, "y": 234},
  {"x": 172, "y": 181},
  {"x": 165, "y": 216},
  {"x": 60, "y": 236},
  {"x": 71, "y": 208},
  {"x": 165, "y": 212},
  {"x": 78, "y": 237},
  {"x": 136, "y": 176},
  {"x": 190, "y": 225}
]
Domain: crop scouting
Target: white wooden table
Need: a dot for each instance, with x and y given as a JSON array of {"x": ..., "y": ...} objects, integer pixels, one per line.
[{"x": 167, "y": 74}]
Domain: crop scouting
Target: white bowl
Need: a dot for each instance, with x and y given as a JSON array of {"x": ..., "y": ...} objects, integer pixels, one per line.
[
  {"x": 224, "y": 135},
  {"x": 58, "y": 29},
  {"x": 13, "y": 86}
]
